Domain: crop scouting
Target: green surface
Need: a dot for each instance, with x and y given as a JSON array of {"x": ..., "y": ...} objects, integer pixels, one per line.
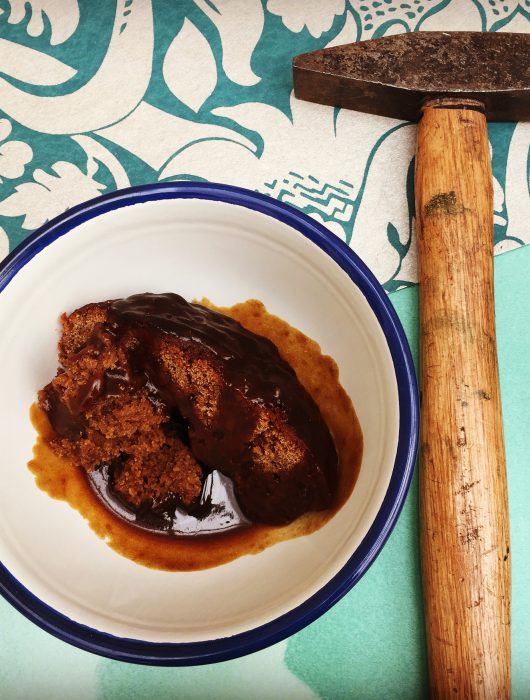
[
  {"x": 376, "y": 633},
  {"x": 371, "y": 644}
]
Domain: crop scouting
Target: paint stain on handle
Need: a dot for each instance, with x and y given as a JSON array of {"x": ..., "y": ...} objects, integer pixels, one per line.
[{"x": 444, "y": 203}]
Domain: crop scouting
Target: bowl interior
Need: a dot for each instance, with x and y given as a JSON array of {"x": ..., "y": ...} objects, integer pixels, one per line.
[{"x": 196, "y": 248}]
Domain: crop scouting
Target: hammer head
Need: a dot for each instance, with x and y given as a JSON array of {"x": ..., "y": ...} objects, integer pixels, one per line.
[{"x": 395, "y": 75}]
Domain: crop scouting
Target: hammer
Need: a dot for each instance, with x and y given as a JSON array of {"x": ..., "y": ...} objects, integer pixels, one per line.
[{"x": 450, "y": 82}]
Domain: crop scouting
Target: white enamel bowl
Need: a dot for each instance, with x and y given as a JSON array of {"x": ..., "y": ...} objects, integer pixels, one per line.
[{"x": 229, "y": 245}]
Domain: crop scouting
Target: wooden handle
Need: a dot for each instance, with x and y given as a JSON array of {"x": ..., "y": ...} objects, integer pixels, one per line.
[{"x": 464, "y": 509}]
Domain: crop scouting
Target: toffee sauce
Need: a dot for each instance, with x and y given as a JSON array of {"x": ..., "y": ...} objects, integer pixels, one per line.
[{"x": 217, "y": 532}]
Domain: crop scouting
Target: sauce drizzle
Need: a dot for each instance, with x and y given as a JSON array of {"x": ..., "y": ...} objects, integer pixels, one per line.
[{"x": 230, "y": 535}]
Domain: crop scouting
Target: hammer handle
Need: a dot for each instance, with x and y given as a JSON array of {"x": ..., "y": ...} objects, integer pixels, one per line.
[{"x": 464, "y": 508}]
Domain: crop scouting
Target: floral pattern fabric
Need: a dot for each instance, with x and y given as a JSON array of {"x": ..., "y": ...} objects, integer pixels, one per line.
[{"x": 97, "y": 95}]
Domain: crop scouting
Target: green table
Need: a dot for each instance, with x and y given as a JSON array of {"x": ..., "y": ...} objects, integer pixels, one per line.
[{"x": 100, "y": 95}]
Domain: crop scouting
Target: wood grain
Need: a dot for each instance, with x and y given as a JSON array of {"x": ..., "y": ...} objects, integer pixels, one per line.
[{"x": 464, "y": 511}]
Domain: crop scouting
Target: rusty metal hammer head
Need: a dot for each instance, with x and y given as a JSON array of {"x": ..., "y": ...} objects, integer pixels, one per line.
[{"x": 394, "y": 76}]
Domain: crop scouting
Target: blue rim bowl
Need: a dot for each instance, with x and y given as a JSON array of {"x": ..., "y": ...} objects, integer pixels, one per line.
[{"x": 184, "y": 654}]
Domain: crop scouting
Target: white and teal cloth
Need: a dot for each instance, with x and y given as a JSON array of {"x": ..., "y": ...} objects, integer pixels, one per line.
[{"x": 103, "y": 94}]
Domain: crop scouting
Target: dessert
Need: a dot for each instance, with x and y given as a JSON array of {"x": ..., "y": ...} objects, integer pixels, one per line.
[{"x": 161, "y": 393}]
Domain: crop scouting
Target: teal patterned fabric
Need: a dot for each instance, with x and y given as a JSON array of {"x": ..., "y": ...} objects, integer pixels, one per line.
[{"x": 97, "y": 95}]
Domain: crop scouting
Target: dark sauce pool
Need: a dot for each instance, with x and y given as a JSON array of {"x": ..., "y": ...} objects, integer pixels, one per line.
[
  {"x": 217, "y": 510},
  {"x": 224, "y": 533}
]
